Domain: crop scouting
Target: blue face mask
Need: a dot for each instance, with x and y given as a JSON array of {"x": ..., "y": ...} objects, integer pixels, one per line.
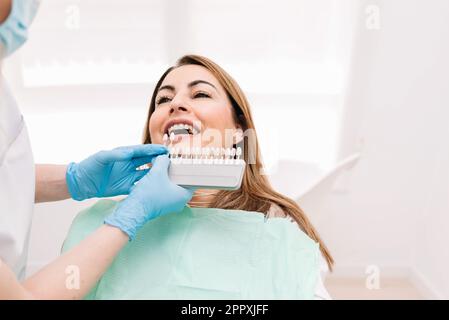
[{"x": 14, "y": 31}]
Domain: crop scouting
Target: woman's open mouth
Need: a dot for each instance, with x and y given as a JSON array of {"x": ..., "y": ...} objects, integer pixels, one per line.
[{"x": 177, "y": 129}]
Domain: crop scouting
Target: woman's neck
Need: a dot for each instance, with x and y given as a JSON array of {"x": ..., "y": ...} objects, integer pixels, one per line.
[{"x": 202, "y": 198}]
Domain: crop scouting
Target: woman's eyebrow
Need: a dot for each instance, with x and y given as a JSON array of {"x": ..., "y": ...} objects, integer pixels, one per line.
[
  {"x": 167, "y": 87},
  {"x": 190, "y": 85},
  {"x": 196, "y": 82}
]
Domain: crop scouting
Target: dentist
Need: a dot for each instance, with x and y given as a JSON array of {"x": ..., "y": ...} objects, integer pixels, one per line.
[{"x": 104, "y": 174}]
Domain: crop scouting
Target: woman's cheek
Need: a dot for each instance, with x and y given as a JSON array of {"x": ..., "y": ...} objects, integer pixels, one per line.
[
  {"x": 152, "y": 129},
  {"x": 212, "y": 119},
  {"x": 155, "y": 137}
]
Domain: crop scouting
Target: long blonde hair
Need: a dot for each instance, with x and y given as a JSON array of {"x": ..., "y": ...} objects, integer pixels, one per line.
[{"x": 256, "y": 193}]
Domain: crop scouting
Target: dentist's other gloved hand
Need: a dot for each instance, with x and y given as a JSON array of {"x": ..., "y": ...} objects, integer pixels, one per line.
[
  {"x": 110, "y": 173},
  {"x": 154, "y": 195}
]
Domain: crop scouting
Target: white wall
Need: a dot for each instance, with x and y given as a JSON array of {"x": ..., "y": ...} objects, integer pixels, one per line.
[{"x": 395, "y": 212}]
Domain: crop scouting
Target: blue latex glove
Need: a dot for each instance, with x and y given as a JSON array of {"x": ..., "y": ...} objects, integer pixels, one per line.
[
  {"x": 154, "y": 195},
  {"x": 110, "y": 173}
]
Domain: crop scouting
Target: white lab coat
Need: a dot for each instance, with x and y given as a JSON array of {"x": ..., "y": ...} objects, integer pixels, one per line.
[{"x": 17, "y": 184}]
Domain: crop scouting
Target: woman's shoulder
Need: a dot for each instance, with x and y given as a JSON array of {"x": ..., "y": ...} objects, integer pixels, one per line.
[{"x": 275, "y": 211}]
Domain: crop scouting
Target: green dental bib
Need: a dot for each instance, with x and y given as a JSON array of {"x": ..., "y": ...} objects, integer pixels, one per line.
[{"x": 203, "y": 253}]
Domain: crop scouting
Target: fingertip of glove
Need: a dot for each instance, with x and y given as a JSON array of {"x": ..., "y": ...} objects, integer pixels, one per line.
[
  {"x": 156, "y": 148},
  {"x": 160, "y": 159},
  {"x": 160, "y": 147},
  {"x": 189, "y": 193}
]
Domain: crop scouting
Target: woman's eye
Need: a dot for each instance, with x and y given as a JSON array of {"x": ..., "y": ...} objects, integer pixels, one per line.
[
  {"x": 163, "y": 100},
  {"x": 201, "y": 95}
]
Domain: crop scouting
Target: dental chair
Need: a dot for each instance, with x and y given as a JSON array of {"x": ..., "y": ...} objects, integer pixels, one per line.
[{"x": 308, "y": 185}]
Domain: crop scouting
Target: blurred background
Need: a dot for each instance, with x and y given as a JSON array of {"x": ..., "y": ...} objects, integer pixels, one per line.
[{"x": 350, "y": 99}]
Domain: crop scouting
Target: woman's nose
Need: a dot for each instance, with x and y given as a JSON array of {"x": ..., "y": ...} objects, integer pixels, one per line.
[{"x": 178, "y": 106}]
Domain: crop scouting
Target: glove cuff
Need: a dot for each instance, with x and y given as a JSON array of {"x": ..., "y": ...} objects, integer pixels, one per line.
[
  {"x": 72, "y": 184},
  {"x": 129, "y": 216},
  {"x": 112, "y": 222}
]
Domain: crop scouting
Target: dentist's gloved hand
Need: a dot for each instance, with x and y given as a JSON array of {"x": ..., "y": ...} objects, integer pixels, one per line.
[
  {"x": 154, "y": 195},
  {"x": 110, "y": 173}
]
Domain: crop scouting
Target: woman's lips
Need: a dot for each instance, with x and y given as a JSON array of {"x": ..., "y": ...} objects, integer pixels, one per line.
[{"x": 181, "y": 125}]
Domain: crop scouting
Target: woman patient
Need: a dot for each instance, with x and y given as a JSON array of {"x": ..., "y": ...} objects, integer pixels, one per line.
[{"x": 251, "y": 243}]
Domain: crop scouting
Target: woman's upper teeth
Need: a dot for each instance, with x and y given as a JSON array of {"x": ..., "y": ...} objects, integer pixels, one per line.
[{"x": 181, "y": 126}]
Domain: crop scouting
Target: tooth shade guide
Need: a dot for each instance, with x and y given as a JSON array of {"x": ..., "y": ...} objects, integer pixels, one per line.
[
  {"x": 205, "y": 153},
  {"x": 206, "y": 168}
]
